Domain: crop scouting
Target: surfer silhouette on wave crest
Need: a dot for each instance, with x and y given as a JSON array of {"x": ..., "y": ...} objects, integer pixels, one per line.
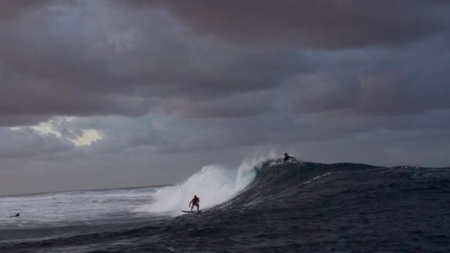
[{"x": 287, "y": 157}]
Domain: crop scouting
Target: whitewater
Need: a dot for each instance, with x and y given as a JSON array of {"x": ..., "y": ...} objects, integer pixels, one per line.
[
  {"x": 213, "y": 184},
  {"x": 265, "y": 205}
]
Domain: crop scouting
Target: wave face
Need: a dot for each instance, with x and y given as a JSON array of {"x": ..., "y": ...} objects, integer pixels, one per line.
[
  {"x": 213, "y": 184},
  {"x": 294, "y": 207}
]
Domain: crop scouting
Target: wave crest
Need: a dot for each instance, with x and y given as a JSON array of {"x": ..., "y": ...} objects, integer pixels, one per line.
[{"x": 213, "y": 185}]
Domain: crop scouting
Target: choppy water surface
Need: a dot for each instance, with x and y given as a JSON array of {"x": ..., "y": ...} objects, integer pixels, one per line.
[{"x": 272, "y": 207}]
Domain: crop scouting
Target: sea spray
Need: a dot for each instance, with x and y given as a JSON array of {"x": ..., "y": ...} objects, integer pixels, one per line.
[{"x": 213, "y": 185}]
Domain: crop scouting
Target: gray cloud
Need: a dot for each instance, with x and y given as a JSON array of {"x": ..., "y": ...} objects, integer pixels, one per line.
[
  {"x": 317, "y": 24},
  {"x": 10, "y": 9},
  {"x": 126, "y": 66},
  {"x": 28, "y": 143},
  {"x": 119, "y": 62},
  {"x": 176, "y": 85}
]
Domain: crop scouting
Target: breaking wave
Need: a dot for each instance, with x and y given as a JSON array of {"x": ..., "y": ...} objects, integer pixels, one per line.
[{"x": 213, "y": 185}]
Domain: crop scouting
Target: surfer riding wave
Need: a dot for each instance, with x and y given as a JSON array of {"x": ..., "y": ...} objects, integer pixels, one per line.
[{"x": 194, "y": 202}]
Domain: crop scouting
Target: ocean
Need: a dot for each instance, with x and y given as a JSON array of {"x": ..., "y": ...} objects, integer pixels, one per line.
[{"x": 267, "y": 206}]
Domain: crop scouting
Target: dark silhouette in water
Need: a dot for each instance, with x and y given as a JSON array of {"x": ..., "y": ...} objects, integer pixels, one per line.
[
  {"x": 287, "y": 157},
  {"x": 17, "y": 215},
  {"x": 194, "y": 202}
]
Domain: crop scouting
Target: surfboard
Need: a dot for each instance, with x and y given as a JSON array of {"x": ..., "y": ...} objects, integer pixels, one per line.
[{"x": 191, "y": 211}]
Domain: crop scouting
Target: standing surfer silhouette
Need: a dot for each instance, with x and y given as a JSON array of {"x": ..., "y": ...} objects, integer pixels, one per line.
[{"x": 194, "y": 202}]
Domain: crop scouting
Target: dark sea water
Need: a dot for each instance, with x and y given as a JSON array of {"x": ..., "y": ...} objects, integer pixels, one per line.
[{"x": 293, "y": 207}]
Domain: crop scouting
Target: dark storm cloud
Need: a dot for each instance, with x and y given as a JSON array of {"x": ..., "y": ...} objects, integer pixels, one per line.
[
  {"x": 235, "y": 105},
  {"x": 98, "y": 58},
  {"x": 317, "y": 24},
  {"x": 90, "y": 60},
  {"x": 167, "y": 81},
  {"x": 406, "y": 80},
  {"x": 9, "y": 9},
  {"x": 11, "y": 121}
]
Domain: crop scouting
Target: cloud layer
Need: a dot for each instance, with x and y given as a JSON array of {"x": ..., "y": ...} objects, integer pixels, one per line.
[{"x": 183, "y": 79}]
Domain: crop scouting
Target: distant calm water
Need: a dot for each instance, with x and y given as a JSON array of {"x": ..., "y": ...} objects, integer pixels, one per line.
[{"x": 271, "y": 207}]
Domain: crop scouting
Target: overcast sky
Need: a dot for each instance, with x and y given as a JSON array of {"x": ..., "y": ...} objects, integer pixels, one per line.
[{"x": 99, "y": 94}]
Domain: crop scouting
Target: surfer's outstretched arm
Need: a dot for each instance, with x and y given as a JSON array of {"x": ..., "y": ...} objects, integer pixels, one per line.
[{"x": 192, "y": 202}]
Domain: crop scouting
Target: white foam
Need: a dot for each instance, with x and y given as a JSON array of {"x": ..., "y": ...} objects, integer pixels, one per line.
[
  {"x": 55, "y": 209},
  {"x": 213, "y": 185}
]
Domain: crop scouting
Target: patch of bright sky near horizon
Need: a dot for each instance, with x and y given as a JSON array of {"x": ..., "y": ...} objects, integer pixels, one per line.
[{"x": 87, "y": 137}]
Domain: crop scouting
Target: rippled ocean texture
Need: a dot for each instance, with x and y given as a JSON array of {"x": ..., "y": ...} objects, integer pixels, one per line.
[{"x": 270, "y": 207}]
